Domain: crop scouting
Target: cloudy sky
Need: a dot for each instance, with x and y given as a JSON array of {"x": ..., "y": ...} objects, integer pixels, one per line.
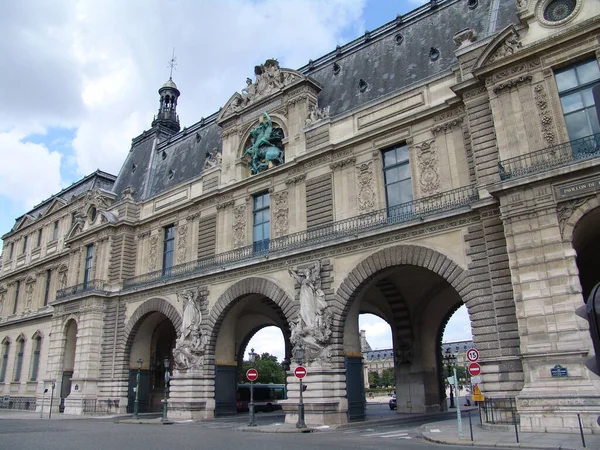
[{"x": 79, "y": 78}]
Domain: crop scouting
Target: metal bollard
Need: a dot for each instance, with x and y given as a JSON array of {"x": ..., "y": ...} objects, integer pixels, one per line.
[{"x": 470, "y": 425}]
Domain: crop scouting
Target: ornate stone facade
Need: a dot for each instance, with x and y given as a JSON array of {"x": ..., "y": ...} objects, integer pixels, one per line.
[{"x": 516, "y": 246}]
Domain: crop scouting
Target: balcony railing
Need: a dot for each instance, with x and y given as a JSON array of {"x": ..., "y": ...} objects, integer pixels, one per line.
[
  {"x": 415, "y": 209},
  {"x": 90, "y": 286},
  {"x": 550, "y": 157}
]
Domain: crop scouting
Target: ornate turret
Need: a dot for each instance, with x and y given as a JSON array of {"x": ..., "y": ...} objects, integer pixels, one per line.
[{"x": 167, "y": 111}]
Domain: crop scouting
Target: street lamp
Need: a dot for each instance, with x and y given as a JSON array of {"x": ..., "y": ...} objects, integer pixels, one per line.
[
  {"x": 136, "y": 404},
  {"x": 449, "y": 359},
  {"x": 166, "y": 363},
  {"x": 300, "y": 360},
  {"x": 252, "y": 423}
]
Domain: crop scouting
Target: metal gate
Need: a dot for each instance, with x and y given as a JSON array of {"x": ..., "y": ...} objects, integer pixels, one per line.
[
  {"x": 65, "y": 388},
  {"x": 355, "y": 391},
  {"x": 225, "y": 391},
  {"x": 144, "y": 394}
]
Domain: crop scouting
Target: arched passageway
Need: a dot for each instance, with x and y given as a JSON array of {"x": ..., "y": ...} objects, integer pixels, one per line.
[
  {"x": 68, "y": 365},
  {"x": 416, "y": 300},
  {"x": 153, "y": 341},
  {"x": 248, "y": 306}
]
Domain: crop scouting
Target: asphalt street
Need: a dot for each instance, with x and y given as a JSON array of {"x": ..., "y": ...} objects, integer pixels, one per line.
[{"x": 105, "y": 434}]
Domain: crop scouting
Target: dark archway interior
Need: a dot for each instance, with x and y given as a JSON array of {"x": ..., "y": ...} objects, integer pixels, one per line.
[
  {"x": 154, "y": 341},
  {"x": 417, "y": 304},
  {"x": 242, "y": 319},
  {"x": 586, "y": 242}
]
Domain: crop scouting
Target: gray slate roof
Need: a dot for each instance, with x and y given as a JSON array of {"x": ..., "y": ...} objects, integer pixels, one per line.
[{"x": 381, "y": 61}]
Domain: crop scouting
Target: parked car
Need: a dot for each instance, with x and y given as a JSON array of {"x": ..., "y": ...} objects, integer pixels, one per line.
[{"x": 392, "y": 402}]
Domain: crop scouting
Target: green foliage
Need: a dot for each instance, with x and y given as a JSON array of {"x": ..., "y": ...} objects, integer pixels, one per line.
[
  {"x": 387, "y": 379},
  {"x": 269, "y": 370}
]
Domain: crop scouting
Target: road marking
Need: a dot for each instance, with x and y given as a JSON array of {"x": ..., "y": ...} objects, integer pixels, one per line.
[
  {"x": 387, "y": 432},
  {"x": 394, "y": 435}
]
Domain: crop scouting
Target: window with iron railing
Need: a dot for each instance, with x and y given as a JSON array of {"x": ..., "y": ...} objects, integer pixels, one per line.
[
  {"x": 575, "y": 85},
  {"x": 261, "y": 222},
  {"x": 168, "y": 248},
  {"x": 87, "y": 272},
  {"x": 396, "y": 171}
]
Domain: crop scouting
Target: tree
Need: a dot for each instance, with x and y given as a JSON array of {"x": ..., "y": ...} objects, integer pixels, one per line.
[
  {"x": 269, "y": 370},
  {"x": 374, "y": 380},
  {"x": 388, "y": 378}
]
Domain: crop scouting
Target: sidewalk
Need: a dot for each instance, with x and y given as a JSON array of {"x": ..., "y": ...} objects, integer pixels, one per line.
[{"x": 444, "y": 433}]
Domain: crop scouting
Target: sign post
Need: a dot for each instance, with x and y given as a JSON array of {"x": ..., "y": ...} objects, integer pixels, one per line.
[
  {"x": 458, "y": 415},
  {"x": 474, "y": 369},
  {"x": 252, "y": 375},
  {"x": 300, "y": 372}
]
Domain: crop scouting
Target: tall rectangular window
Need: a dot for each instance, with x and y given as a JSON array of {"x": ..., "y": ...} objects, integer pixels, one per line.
[
  {"x": 35, "y": 361},
  {"x": 168, "y": 248},
  {"x": 5, "y": 348},
  {"x": 55, "y": 231},
  {"x": 87, "y": 271},
  {"x": 24, "y": 248},
  {"x": 262, "y": 222},
  {"x": 19, "y": 361},
  {"x": 39, "y": 238},
  {"x": 17, "y": 289},
  {"x": 396, "y": 171},
  {"x": 12, "y": 249},
  {"x": 47, "y": 290},
  {"x": 575, "y": 89}
]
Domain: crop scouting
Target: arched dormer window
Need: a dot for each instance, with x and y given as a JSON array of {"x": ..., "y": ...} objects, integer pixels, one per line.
[
  {"x": 36, "y": 340},
  {"x": 19, "y": 357},
  {"x": 4, "y": 362}
]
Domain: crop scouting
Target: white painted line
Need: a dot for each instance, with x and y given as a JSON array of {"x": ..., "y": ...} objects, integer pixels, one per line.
[
  {"x": 434, "y": 431},
  {"x": 394, "y": 435},
  {"x": 405, "y": 437},
  {"x": 387, "y": 432}
]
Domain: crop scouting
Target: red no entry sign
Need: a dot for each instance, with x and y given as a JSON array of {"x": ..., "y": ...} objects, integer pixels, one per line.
[
  {"x": 252, "y": 374},
  {"x": 472, "y": 355},
  {"x": 474, "y": 369},
  {"x": 300, "y": 372}
]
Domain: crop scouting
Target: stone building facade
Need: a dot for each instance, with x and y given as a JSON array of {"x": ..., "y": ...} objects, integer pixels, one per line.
[{"x": 448, "y": 157}]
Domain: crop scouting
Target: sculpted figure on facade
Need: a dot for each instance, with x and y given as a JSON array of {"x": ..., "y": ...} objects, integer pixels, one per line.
[
  {"x": 1, "y": 303},
  {"x": 280, "y": 213},
  {"x": 213, "y": 159},
  {"x": 191, "y": 343},
  {"x": 29, "y": 295},
  {"x": 313, "y": 326},
  {"x": 181, "y": 243},
  {"x": 315, "y": 114},
  {"x": 266, "y": 146},
  {"x": 153, "y": 256},
  {"x": 510, "y": 46}
]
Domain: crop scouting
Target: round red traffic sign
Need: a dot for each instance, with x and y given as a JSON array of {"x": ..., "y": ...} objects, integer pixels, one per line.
[
  {"x": 300, "y": 372},
  {"x": 252, "y": 374},
  {"x": 474, "y": 369},
  {"x": 472, "y": 355}
]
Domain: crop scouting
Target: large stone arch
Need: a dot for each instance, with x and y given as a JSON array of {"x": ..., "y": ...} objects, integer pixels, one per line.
[
  {"x": 242, "y": 288},
  {"x": 398, "y": 255},
  {"x": 571, "y": 212},
  {"x": 149, "y": 306}
]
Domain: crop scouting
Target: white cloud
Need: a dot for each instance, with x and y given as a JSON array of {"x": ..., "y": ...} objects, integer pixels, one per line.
[
  {"x": 458, "y": 327},
  {"x": 29, "y": 172},
  {"x": 267, "y": 340}
]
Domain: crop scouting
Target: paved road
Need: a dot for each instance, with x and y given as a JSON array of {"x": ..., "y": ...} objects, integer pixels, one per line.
[{"x": 105, "y": 434}]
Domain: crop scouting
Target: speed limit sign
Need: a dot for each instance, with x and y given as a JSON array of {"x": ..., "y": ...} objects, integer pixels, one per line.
[{"x": 473, "y": 355}]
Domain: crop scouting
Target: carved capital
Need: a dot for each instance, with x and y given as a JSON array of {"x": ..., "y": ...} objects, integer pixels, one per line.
[
  {"x": 512, "y": 83},
  {"x": 342, "y": 164},
  {"x": 296, "y": 179}
]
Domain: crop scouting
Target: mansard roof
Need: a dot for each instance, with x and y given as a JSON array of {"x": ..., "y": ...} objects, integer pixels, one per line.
[
  {"x": 390, "y": 59},
  {"x": 96, "y": 180}
]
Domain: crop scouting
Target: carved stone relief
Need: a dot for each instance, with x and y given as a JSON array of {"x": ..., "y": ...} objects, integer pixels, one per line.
[
  {"x": 564, "y": 210},
  {"x": 313, "y": 324},
  {"x": 29, "y": 295},
  {"x": 181, "y": 243},
  {"x": 191, "y": 343},
  {"x": 153, "y": 255},
  {"x": 428, "y": 167},
  {"x": 510, "y": 46},
  {"x": 1, "y": 303},
  {"x": 541, "y": 101},
  {"x": 213, "y": 159},
  {"x": 239, "y": 226},
  {"x": 316, "y": 114},
  {"x": 280, "y": 213},
  {"x": 366, "y": 187}
]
